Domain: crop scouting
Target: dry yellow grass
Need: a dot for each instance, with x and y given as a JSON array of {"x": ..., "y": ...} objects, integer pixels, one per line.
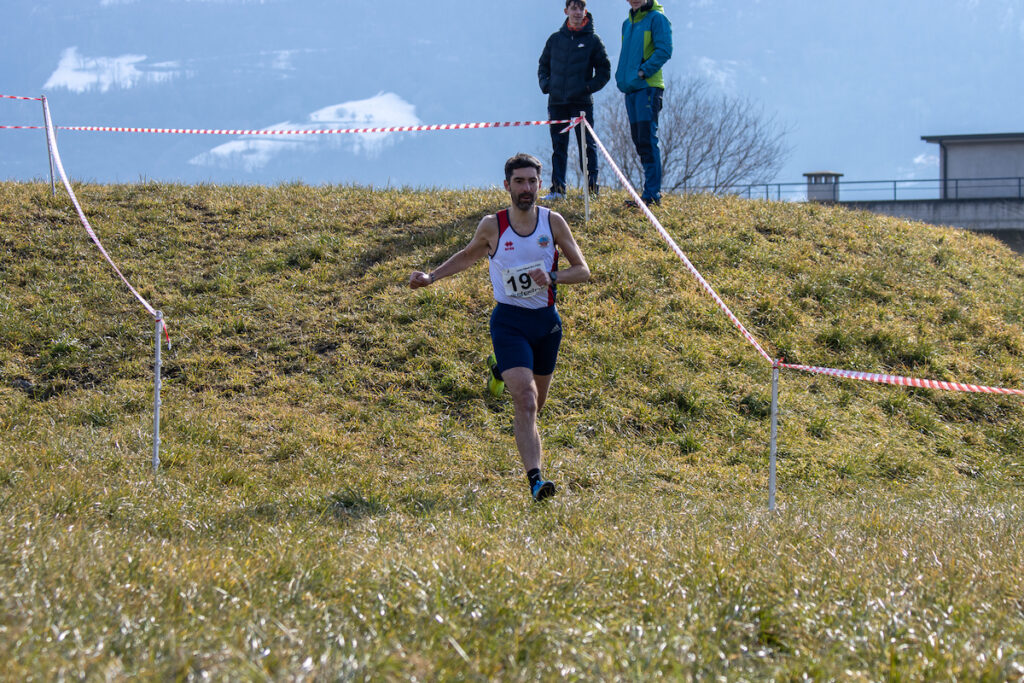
[{"x": 340, "y": 497}]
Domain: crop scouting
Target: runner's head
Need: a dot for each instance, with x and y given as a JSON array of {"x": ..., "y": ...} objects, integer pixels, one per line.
[
  {"x": 522, "y": 180},
  {"x": 521, "y": 160}
]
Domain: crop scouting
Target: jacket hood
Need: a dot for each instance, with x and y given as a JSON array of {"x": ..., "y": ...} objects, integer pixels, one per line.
[
  {"x": 649, "y": 6},
  {"x": 588, "y": 26}
]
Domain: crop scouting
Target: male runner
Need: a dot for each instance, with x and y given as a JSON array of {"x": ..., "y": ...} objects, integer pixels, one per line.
[{"x": 521, "y": 243}]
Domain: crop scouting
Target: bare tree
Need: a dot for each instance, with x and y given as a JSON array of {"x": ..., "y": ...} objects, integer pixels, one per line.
[{"x": 710, "y": 142}]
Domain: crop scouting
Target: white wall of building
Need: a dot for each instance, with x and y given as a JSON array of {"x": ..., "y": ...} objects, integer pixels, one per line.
[{"x": 966, "y": 165}]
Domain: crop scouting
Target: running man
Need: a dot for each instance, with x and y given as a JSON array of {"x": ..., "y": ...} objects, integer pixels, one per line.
[{"x": 522, "y": 243}]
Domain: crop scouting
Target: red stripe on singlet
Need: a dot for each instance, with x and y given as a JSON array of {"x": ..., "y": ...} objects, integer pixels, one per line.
[{"x": 503, "y": 222}]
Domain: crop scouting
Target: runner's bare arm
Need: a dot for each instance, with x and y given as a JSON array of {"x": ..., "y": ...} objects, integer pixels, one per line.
[
  {"x": 578, "y": 270},
  {"x": 482, "y": 244}
]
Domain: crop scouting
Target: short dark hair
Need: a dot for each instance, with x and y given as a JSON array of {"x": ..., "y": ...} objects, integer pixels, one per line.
[
  {"x": 521, "y": 160},
  {"x": 581, "y": 3}
]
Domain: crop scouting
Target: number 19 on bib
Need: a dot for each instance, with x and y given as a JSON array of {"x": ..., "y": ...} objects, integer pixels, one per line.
[{"x": 518, "y": 282}]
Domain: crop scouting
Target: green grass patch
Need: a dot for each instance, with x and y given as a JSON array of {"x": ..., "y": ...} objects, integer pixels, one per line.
[{"x": 340, "y": 497}]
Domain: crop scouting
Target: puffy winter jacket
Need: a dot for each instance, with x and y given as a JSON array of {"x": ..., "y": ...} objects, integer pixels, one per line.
[
  {"x": 646, "y": 46},
  {"x": 574, "y": 65}
]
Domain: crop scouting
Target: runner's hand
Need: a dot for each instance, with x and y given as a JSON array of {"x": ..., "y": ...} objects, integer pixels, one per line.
[
  {"x": 541, "y": 277},
  {"x": 419, "y": 279}
]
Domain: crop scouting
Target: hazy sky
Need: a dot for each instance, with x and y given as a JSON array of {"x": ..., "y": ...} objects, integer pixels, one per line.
[{"x": 855, "y": 83}]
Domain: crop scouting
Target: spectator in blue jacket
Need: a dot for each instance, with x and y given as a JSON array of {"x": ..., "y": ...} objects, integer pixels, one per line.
[
  {"x": 646, "y": 46},
  {"x": 573, "y": 66}
]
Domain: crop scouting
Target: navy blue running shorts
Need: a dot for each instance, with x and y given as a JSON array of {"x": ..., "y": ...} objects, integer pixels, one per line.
[{"x": 526, "y": 337}]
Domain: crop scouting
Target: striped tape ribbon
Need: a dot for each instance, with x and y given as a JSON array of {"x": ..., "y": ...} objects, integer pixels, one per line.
[
  {"x": 18, "y": 97},
  {"x": 59, "y": 165},
  {"x": 901, "y": 381},
  {"x": 896, "y": 380},
  {"x": 675, "y": 247},
  {"x": 322, "y": 131}
]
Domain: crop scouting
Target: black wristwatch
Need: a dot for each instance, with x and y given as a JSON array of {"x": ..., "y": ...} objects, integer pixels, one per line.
[{"x": 554, "y": 276}]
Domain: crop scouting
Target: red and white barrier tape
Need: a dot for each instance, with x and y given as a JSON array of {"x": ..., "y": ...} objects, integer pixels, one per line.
[
  {"x": 833, "y": 372},
  {"x": 18, "y": 97},
  {"x": 572, "y": 124},
  {"x": 332, "y": 131},
  {"x": 901, "y": 381},
  {"x": 844, "y": 374},
  {"x": 675, "y": 247},
  {"x": 85, "y": 221}
]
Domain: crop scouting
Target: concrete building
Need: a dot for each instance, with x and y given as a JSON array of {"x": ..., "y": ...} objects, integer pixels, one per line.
[
  {"x": 823, "y": 186},
  {"x": 980, "y": 188},
  {"x": 987, "y": 166}
]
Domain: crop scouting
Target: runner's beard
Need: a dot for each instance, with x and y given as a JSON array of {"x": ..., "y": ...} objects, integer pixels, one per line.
[{"x": 525, "y": 201}]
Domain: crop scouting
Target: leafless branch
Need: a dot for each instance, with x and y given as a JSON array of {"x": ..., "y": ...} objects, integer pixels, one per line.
[{"x": 710, "y": 141}]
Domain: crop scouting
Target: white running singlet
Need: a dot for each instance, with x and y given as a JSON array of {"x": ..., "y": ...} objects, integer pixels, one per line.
[{"x": 516, "y": 255}]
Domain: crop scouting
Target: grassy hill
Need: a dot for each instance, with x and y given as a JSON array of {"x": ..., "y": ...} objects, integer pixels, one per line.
[{"x": 340, "y": 497}]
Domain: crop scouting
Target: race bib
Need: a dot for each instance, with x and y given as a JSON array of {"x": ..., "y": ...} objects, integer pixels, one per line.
[{"x": 518, "y": 282}]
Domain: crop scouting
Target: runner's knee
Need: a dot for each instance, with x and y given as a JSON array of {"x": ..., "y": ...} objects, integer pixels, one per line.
[{"x": 525, "y": 398}]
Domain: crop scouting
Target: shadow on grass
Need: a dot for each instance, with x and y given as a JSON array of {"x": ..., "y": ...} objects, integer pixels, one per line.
[
  {"x": 350, "y": 504},
  {"x": 400, "y": 243},
  {"x": 344, "y": 507}
]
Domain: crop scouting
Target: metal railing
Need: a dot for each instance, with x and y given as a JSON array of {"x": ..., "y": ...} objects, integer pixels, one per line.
[{"x": 1007, "y": 187}]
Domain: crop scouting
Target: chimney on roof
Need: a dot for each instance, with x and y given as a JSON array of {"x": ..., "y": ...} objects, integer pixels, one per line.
[{"x": 823, "y": 186}]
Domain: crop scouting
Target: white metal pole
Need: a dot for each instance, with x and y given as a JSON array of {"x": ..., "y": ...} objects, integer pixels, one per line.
[
  {"x": 156, "y": 394},
  {"x": 773, "y": 449},
  {"x": 586, "y": 175},
  {"x": 49, "y": 149}
]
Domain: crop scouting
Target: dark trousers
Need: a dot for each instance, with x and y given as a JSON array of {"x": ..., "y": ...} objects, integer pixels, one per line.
[
  {"x": 643, "y": 107},
  {"x": 560, "y": 144}
]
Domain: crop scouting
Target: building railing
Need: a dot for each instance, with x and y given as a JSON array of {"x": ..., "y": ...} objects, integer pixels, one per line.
[{"x": 1008, "y": 187}]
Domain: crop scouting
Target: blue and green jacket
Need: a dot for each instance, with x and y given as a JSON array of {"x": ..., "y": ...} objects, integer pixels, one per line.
[{"x": 646, "y": 46}]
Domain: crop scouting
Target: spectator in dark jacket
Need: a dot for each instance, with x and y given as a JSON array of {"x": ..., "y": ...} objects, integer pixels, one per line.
[{"x": 573, "y": 66}]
